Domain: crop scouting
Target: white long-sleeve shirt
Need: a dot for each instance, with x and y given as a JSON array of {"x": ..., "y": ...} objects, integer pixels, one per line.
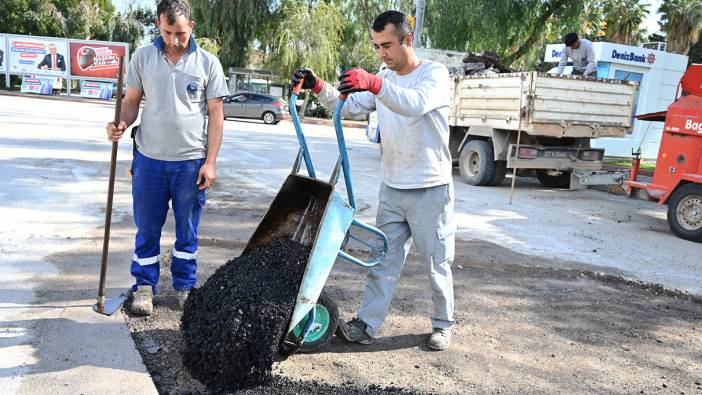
[
  {"x": 413, "y": 121},
  {"x": 583, "y": 57}
]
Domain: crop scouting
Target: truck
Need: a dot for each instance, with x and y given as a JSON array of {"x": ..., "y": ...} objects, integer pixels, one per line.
[{"x": 536, "y": 121}]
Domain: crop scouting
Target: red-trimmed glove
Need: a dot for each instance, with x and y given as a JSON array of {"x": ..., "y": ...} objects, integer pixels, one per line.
[
  {"x": 358, "y": 80},
  {"x": 310, "y": 79}
]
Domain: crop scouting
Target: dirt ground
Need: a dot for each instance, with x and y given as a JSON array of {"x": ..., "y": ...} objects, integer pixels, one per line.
[{"x": 522, "y": 326}]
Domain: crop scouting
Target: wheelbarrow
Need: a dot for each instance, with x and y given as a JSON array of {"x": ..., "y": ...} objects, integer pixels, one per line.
[{"x": 310, "y": 211}]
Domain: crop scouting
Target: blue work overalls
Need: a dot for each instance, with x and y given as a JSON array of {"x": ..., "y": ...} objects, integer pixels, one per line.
[{"x": 154, "y": 184}]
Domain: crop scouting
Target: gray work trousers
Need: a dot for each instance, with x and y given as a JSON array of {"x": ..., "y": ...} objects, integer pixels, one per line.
[{"x": 424, "y": 215}]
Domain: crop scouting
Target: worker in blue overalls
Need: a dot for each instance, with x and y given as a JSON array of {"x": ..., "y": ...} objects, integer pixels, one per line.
[{"x": 176, "y": 146}]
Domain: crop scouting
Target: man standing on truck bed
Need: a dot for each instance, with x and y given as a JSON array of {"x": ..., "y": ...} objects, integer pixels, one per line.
[
  {"x": 416, "y": 195},
  {"x": 582, "y": 53}
]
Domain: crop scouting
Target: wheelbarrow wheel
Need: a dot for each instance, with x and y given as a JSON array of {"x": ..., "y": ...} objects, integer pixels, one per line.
[{"x": 324, "y": 326}]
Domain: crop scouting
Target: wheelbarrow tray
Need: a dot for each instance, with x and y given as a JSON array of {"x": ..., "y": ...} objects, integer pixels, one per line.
[{"x": 310, "y": 212}]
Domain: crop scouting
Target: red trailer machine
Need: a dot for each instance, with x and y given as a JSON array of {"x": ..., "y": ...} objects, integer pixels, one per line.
[{"x": 677, "y": 180}]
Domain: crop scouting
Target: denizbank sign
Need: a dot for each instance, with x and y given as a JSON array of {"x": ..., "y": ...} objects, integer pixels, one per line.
[
  {"x": 609, "y": 52},
  {"x": 632, "y": 56}
]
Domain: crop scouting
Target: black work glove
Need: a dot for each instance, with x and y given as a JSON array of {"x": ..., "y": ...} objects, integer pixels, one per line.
[{"x": 310, "y": 80}]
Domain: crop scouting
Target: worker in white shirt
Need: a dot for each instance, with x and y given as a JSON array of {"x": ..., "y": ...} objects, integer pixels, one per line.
[
  {"x": 416, "y": 201},
  {"x": 580, "y": 50}
]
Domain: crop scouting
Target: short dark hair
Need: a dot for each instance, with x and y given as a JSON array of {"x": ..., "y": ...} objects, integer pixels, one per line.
[
  {"x": 397, "y": 19},
  {"x": 570, "y": 39},
  {"x": 173, "y": 8}
]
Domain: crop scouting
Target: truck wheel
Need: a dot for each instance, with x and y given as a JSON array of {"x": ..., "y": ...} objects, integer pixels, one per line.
[
  {"x": 477, "y": 162},
  {"x": 685, "y": 212},
  {"x": 325, "y": 322},
  {"x": 500, "y": 173},
  {"x": 560, "y": 181}
]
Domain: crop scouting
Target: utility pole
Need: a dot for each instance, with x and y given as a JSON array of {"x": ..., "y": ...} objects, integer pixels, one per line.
[{"x": 418, "y": 22}]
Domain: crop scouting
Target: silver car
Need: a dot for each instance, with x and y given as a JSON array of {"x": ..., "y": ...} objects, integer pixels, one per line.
[{"x": 267, "y": 108}]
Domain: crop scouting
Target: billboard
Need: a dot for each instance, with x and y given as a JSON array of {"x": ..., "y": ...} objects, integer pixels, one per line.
[
  {"x": 37, "y": 55},
  {"x": 95, "y": 59},
  {"x": 3, "y": 55}
]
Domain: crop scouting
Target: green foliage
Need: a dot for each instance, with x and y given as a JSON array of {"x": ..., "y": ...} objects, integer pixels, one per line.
[
  {"x": 209, "y": 44},
  {"x": 356, "y": 47},
  {"x": 83, "y": 19},
  {"x": 681, "y": 20},
  {"x": 516, "y": 30},
  {"x": 623, "y": 19},
  {"x": 233, "y": 23},
  {"x": 307, "y": 35},
  {"x": 129, "y": 26}
]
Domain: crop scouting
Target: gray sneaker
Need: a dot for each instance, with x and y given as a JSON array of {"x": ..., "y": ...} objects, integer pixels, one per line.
[
  {"x": 354, "y": 331},
  {"x": 142, "y": 303},
  {"x": 182, "y": 296},
  {"x": 440, "y": 339}
]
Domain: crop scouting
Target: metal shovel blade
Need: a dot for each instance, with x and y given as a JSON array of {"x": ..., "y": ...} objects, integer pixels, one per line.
[{"x": 109, "y": 306}]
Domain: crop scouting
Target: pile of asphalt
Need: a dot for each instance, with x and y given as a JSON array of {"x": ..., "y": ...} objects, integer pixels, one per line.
[
  {"x": 233, "y": 324},
  {"x": 284, "y": 386}
]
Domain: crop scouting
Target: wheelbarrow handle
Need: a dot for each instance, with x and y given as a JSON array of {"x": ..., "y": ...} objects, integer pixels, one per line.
[
  {"x": 377, "y": 259},
  {"x": 345, "y": 166},
  {"x": 298, "y": 130}
]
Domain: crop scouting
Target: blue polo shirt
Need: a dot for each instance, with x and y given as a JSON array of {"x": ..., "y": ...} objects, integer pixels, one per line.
[{"x": 174, "y": 120}]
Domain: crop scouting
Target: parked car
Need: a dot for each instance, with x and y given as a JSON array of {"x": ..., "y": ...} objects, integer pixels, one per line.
[{"x": 267, "y": 108}]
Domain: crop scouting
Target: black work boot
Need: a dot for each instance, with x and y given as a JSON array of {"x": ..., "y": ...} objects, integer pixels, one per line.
[{"x": 354, "y": 331}]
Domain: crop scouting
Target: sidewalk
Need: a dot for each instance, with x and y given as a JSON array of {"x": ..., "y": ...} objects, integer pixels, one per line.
[{"x": 52, "y": 205}]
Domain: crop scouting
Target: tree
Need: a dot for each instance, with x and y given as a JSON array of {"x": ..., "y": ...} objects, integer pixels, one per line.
[
  {"x": 695, "y": 53},
  {"x": 84, "y": 19},
  {"x": 356, "y": 46},
  {"x": 308, "y": 35},
  {"x": 132, "y": 25},
  {"x": 516, "y": 30},
  {"x": 210, "y": 45},
  {"x": 681, "y": 21},
  {"x": 233, "y": 23},
  {"x": 623, "y": 19}
]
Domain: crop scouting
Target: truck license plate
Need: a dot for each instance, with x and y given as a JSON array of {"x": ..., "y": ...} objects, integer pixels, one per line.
[{"x": 556, "y": 154}]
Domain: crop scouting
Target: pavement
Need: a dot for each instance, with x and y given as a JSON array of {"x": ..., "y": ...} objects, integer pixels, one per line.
[{"x": 55, "y": 159}]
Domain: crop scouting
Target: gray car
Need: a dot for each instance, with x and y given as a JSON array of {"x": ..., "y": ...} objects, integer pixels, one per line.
[{"x": 267, "y": 108}]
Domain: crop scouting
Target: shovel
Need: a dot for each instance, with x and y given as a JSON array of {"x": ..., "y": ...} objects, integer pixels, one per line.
[{"x": 109, "y": 306}]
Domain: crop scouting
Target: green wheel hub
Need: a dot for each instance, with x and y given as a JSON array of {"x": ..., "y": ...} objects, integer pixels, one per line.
[{"x": 320, "y": 326}]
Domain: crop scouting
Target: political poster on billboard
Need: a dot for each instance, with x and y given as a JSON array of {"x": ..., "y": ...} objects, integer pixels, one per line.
[
  {"x": 3, "y": 55},
  {"x": 37, "y": 55},
  {"x": 95, "y": 59},
  {"x": 38, "y": 85},
  {"x": 96, "y": 90}
]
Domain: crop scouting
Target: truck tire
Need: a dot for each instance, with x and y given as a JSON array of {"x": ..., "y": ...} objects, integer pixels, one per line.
[
  {"x": 500, "y": 173},
  {"x": 685, "y": 212},
  {"x": 477, "y": 163},
  {"x": 560, "y": 181}
]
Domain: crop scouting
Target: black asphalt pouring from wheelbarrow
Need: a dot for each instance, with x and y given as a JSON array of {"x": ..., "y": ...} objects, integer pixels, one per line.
[{"x": 233, "y": 324}]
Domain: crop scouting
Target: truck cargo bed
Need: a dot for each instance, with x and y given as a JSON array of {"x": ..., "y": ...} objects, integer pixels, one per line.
[{"x": 557, "y": 106}]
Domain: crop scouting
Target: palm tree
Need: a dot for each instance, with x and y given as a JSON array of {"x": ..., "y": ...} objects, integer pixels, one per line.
[
  {"x": 681, "y": 21},
  {"x": 623, "y": 19}
]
